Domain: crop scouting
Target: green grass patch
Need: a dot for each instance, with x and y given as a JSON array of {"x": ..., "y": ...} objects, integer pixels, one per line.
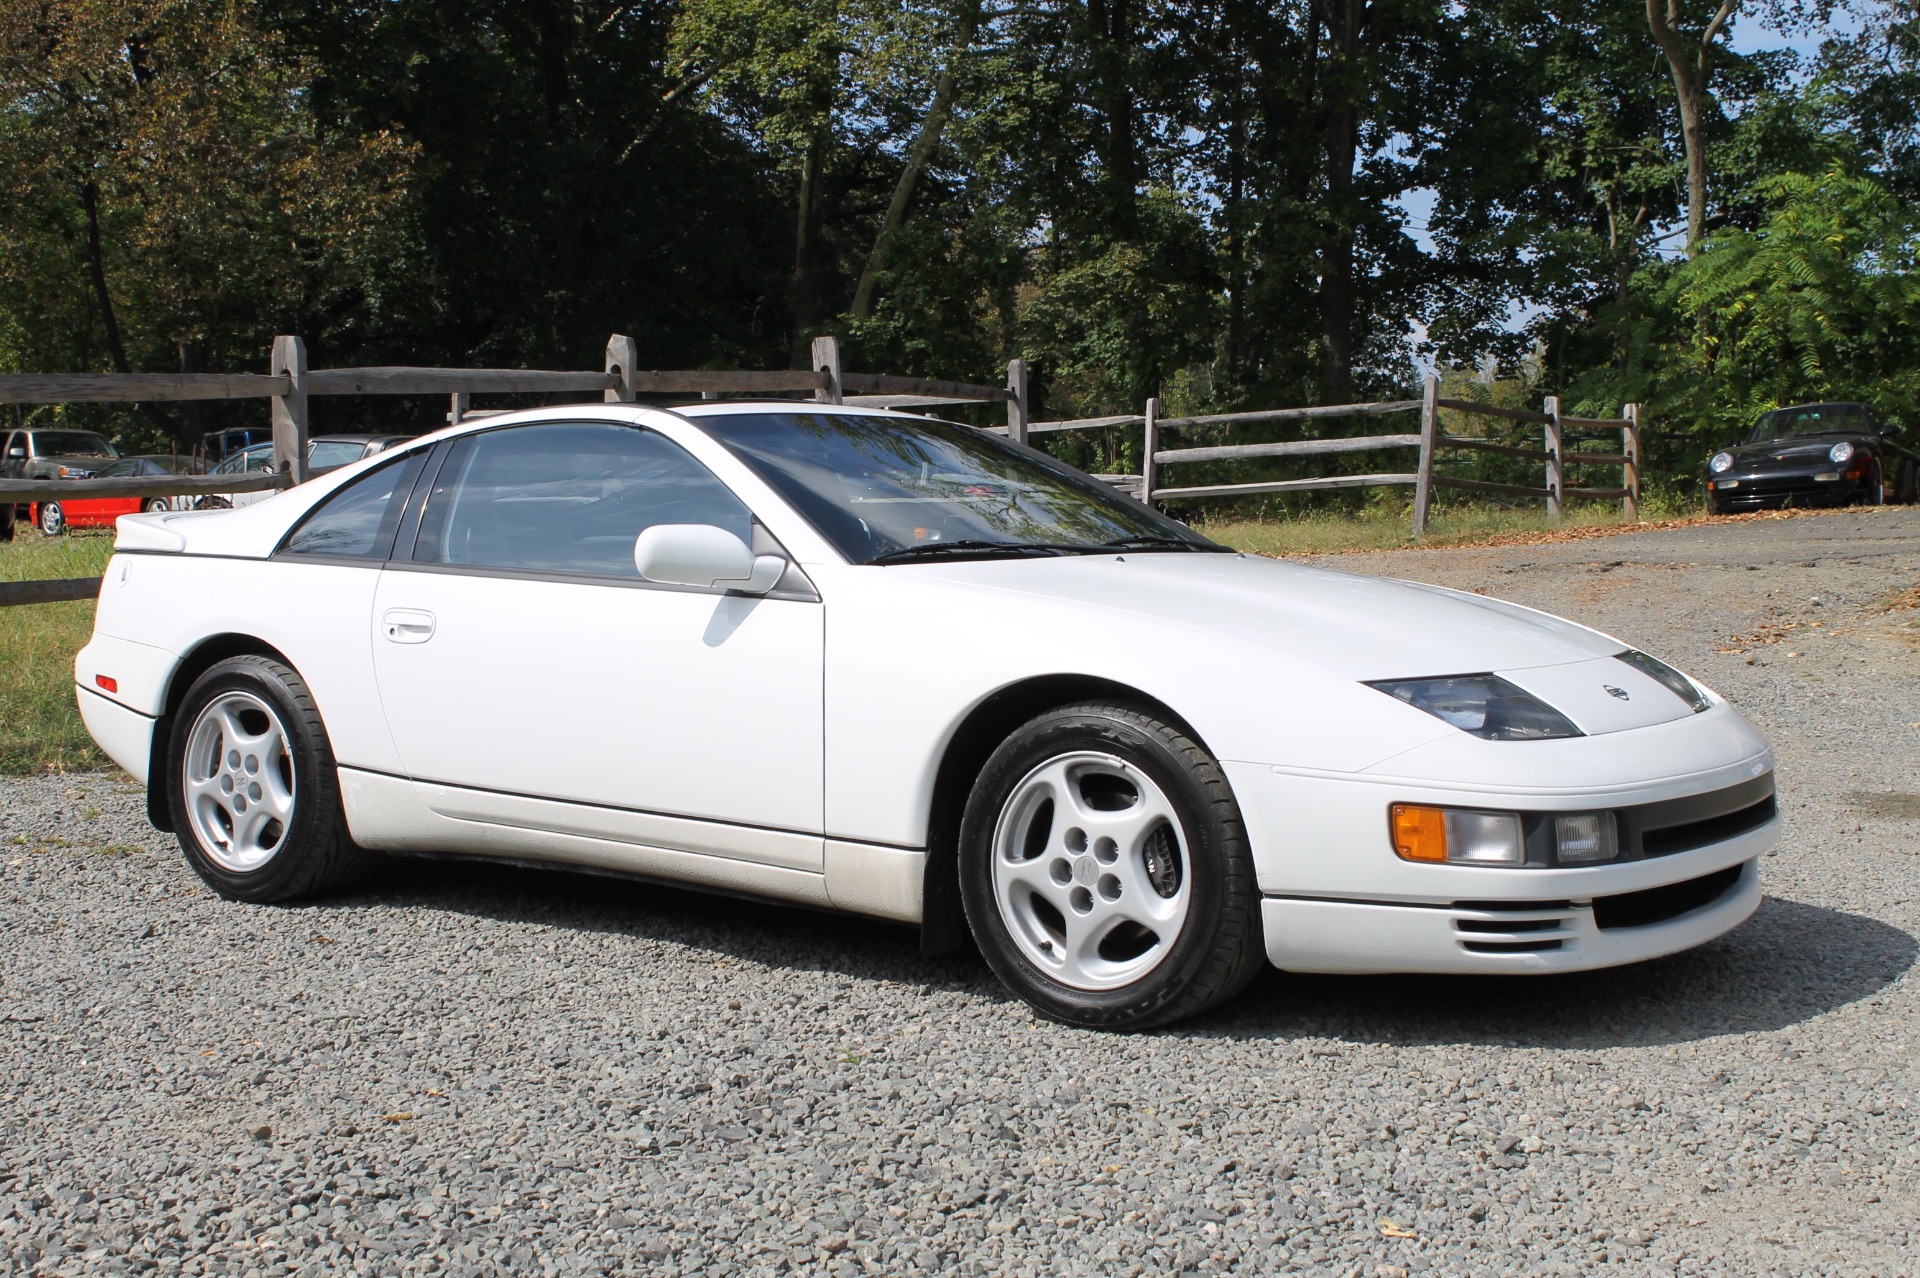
[
  {"x": 42, "y": 728},
  {"x": 1389, "y": 526}
]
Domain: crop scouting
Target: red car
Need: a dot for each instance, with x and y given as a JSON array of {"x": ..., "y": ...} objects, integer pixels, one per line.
[{"x": 55, "y": 517}]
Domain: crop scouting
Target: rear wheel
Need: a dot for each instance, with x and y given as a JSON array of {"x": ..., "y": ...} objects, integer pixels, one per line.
[
  {"x": 253, "y": 788},
  {"x": 1105, "y": 870},
  {"x": 53, "y": 520}
]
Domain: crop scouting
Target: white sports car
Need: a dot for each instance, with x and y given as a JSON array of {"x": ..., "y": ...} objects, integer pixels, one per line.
[{"x": 877, "y": 663}]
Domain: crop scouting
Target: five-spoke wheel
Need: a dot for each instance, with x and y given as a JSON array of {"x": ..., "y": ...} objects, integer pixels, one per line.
[
  {"x": 251, "y": 782},
  {"x": 1105, "y": 870},
  {"x": 1089, "y": 870},
  {"x": 239, "y": 781}
]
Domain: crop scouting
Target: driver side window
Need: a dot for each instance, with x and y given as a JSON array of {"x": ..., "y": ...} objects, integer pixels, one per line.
[{"x": 568, "y": 497}]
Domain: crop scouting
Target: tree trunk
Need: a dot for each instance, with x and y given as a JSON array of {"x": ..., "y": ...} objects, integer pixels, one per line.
[
  {"x": 803, "y": 292},
  {"x": 1691, "y": 70},
  {"x": 97, "y": 273},
  {"x": 918, "y": 157},
  {"x": 1112, "y": 22},
  {"x": 1344, "y": 20}
]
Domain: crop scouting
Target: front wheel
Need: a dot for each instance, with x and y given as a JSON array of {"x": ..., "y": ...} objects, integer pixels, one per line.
[
  {"x": 1105, "y": 870},
  {"x": 155, "y": 506},
  {"x": 251, "y": 780},
  {"x": 53, "y": 520}
]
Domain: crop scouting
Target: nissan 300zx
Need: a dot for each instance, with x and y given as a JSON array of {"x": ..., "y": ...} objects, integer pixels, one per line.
[{"x": 876, "y": 663}]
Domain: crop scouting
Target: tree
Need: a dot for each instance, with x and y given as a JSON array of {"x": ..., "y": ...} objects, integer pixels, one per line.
[{"x": 1690, "y": 61}]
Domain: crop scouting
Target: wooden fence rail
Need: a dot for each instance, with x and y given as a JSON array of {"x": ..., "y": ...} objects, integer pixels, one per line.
[{"x": 291, "y": 383}]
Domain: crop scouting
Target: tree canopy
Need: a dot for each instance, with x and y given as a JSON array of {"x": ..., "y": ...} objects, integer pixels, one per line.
[{"x": 1225, "y": 203}]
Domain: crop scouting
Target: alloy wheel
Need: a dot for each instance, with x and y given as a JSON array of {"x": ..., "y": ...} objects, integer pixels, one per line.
[
  {"x": 1090, "y": 870},
  {"x": 238, "y": 781}
]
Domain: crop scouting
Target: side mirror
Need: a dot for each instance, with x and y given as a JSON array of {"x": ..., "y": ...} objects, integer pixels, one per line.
[
  {"x": 1889, "y": 429},
  {"x": 16, "y": 451},
  {"x": 704, "y": 555}
]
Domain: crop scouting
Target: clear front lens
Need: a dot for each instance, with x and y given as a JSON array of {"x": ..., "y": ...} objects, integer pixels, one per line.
[
  {"x": 1721, "y": 463},
  {"x": 1484, "y": 838},
  {"x": 1586, "y": 837},
  {"x": 1840, "y": 452}
]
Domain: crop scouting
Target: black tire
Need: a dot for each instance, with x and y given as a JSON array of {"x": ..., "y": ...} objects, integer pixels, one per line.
[
  {"x": 53, "y": 520},
  {"x": 1909, "y": 490},
  {"x": 1219, "y": 946},
  {"x": 154, "y": 506},
  {"x": 6, "y": 526},
  {"x": 1874, "y": 493},
  {"x": 313, "y": 852}
]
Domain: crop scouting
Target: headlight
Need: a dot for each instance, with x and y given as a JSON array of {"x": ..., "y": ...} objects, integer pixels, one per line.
[
  {"x": 1721, "y": 463},
  {"x": 1485, "y": 705},
  {"x": 1840, "y": 452},
  {"x": 1675, "y": 682}
]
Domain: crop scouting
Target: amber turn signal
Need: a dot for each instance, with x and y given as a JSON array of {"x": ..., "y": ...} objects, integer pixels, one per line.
[{"x": 1419, "y": 833}]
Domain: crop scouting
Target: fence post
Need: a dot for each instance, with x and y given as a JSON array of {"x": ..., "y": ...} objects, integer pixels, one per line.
[
  {"x": 826, "y": 359},
  {"x": 457, "y": 407},
  {"x": 1150, "y": 444},
  {"x": 1017, "y": 405},
  {"x": 622, "y": 354},
  {"x": 1630, "y": 446},
  {"x": 1556, "y": 468},
  {"x": 290, "y": 409},
  {"x": 1429, "y": 433}
]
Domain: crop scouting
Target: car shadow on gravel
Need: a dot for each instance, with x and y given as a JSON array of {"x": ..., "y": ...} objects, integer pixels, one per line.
[
  {"x": 1790, "y": 963},
  {"x": 786, "y": 937}
]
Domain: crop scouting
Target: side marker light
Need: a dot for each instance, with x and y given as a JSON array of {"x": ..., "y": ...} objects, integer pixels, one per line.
[{"x": 107, "y": 682}]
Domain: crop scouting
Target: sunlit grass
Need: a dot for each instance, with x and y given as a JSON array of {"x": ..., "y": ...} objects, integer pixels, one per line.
[
  {"x": 1384, "y": 526},
  {"x": 40, "y": 728}
]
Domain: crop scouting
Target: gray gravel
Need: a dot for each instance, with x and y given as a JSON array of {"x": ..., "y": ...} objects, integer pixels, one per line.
[{"x": 475, "y": 1069}]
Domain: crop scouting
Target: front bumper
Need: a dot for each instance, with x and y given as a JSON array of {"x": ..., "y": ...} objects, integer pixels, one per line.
[
  {"x": 1693, "y": 800},
  {"x": 1516, "y": 938},
  {"x": 1766, "y": 490}
]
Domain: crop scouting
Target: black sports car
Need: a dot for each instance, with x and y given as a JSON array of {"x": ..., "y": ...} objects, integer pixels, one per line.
[{"x": 1813, "y": 455}]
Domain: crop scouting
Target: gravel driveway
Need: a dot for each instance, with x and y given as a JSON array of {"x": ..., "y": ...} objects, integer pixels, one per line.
[{"x": 472, "y": 1069}]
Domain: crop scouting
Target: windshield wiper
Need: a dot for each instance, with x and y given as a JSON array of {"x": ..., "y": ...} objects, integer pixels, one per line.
[
  {"x": 966, "y": 546},
  {"x": 1150, "y": 540}
]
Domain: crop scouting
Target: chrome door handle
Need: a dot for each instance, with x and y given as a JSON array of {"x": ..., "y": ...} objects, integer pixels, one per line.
[{"x": 408, "y": 625}]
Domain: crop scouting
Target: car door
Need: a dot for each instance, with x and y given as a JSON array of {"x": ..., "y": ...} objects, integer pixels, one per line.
[{"x": 519, "y": 652}]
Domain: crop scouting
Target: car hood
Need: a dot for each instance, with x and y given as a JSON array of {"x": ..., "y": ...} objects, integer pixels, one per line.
[
  {"x": 1352, "y": 626},
  {"x": 1794, "y": 452}
]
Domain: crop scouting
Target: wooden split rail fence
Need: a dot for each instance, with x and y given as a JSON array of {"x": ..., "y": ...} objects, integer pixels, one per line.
[
  {"x": 1558, "y": 431},
  {"x": 290, "y": 384}
]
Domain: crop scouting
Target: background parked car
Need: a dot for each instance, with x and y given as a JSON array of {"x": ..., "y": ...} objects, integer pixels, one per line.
[
  {"x": 1813, "y": 454},
  {"x": 52, "y": 454},
  {"x": 55, "y": 517},
  {"x": 324, "y": 453},
  {"x": 331, "y": 452}
]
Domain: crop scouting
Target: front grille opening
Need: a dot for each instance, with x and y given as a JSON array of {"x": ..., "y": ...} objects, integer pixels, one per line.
[
  {"x": 1509, "y": 947},
  {"x": 1507, "y": 926},
  {"x": 1700, "y": 834},
  {"x": 1657, "y": 905}
]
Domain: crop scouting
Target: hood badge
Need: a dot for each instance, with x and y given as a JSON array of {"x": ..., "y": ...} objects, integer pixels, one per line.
[{"x": 1616, "y": 692}]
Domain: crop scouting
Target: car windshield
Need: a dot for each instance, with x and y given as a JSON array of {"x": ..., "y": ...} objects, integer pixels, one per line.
[
  {"x": 71, "y": 443},
  {"x": 329, "y": 454},
  {"x": 885, "y": 488},
  {"x": 1817, "y": 419},
  {"x": 125, "y": 466}
]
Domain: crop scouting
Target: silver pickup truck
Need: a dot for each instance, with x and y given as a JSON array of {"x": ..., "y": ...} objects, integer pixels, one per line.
[{"x": 48, "y": 454}]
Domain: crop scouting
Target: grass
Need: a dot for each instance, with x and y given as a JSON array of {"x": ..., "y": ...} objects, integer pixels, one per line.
[
  {"x": 1389, "y": 526},
  {"x": 40, "y": 728}
]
